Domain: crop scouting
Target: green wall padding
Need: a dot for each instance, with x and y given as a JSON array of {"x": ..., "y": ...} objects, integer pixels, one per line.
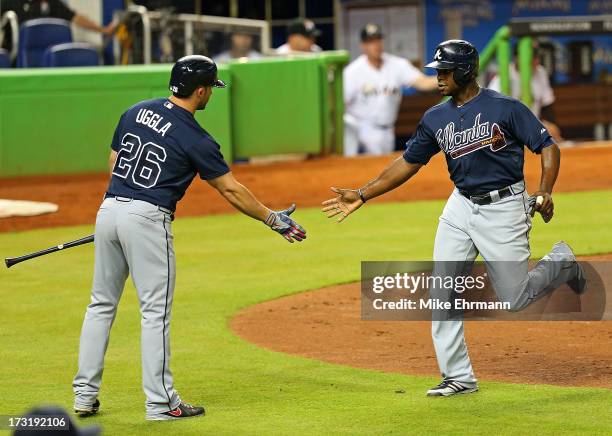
[
  {"x": 61, "y": 120},
  {"x": 276, "y": 107}
]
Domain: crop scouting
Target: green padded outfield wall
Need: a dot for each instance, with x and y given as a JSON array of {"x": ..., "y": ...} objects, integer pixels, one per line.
[
  {"x": 61, "y": 120},
  {"x": 277, "y": 106},
  {"x": 332, "y": 98}
]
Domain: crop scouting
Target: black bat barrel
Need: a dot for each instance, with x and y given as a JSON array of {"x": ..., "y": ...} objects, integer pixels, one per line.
[{"x": 10, "y": 261}]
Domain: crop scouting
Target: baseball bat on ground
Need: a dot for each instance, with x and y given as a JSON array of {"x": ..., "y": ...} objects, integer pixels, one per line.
[{"x": 10, "y": 261}]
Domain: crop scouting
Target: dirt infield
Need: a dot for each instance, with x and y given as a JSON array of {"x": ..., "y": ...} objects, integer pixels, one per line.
[
  {"x": 326, "y": 325},
  {"x": 279, "y": 184}
]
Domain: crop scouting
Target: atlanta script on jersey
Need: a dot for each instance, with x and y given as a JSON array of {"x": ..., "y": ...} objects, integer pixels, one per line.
[{"x": 483, "y": 140}]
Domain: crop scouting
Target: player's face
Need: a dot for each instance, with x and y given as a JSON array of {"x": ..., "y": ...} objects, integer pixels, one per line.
[
  {"x": 373, "y": 48},
  {"x": 446, "y": 82},
  {"x": 203, "y": 94}
]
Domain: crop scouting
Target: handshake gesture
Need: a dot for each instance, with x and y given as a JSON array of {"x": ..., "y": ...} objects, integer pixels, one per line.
[
  {"x": 346, "y": 202},
  {"x": 280, "y": 222}
]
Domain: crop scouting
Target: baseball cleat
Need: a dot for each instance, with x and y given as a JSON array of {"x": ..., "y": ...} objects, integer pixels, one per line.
[
  {"x": 84, "y": 411},
  {"x": 184, "y": 410},
  {"x": 450, "y": 387},
  {"x": 578, "y": 284}
]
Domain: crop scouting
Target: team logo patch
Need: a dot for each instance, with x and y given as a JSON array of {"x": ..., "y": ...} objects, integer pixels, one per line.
[
  {"x": 309, "y": 25},
  {"x": 371, "y": 28},
  {"x": 480, "y": 135},
  {"x": 369, "y": 90}
]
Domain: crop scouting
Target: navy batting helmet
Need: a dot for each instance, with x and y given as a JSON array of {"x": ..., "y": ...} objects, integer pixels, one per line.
[
  {"x": 189, "y": 72},
  {"x": 459, "y": 56}
]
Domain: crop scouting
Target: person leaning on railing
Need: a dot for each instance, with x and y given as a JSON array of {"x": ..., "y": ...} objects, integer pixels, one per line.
[{"x": 31, "y": 9}]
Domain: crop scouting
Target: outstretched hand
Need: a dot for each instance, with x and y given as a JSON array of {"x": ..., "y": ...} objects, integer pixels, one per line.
[
  {"x": 280, "y": 222},
  {"x": 347, "y": 202}
]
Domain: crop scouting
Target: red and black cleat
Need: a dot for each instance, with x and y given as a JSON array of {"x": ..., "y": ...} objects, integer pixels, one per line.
[{"x": 184, "y": 410}]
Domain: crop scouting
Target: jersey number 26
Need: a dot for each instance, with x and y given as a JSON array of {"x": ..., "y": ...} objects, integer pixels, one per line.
[{"x": 141, "y": 160}]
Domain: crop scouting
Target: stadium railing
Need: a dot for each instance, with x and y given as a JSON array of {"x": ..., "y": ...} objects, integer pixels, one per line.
[
  {"x": 162, "y": 36},
  {"x": 9, "y": 18}
]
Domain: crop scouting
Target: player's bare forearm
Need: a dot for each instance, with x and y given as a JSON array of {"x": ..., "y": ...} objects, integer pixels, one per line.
[
  {"x": 349, "y": 200},
  {"x": 243, "y": 200},
  {"x": 239, "y": 196},
  {"x": 551, "y": 161},
  {"x": 397, "y": 173}
]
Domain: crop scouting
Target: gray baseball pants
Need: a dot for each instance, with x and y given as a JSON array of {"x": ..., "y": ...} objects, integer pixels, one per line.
[
  {"x": 499, "y": 232},
  {"x": 132, "y": 237}
]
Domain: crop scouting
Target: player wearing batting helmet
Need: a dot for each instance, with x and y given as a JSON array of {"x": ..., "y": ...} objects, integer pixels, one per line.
[
  {"x": 157, "y": 149},
  {"x": 482, "y": 134}
]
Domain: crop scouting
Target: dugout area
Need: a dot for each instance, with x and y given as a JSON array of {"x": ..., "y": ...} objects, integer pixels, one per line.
[{"x": 594, "y": 108}]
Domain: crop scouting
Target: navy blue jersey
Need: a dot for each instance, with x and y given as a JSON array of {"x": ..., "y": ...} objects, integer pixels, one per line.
[
  {"x": 483, "y": 140},
  {"x": 160, "y": 149}
]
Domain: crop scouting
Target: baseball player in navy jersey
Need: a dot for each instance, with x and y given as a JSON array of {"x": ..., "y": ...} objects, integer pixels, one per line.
[
  {"x": 482, "y": 134},
  {"x": 157, "y": 149}
]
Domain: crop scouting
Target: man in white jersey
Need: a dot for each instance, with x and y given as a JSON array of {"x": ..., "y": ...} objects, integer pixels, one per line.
[
  {"x": 301, "y": 37},
  {"x": 541, "y": 91},
  {"x": 373, "y": 92}
]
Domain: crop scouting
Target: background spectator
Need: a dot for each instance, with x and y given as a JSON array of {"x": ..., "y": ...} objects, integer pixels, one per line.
[
  {"x": 31, "y": 9},
  {"x": 373, "y": 92},
  {"x": 301, "y": 37},
  {"x": 242, "y": 47}
]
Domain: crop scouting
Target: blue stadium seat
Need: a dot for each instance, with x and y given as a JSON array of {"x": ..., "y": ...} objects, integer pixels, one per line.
[
  {"x": 35, "y": 36},
  {"x": 71, "y": 54},
  {"x": 5, "y": 60}
]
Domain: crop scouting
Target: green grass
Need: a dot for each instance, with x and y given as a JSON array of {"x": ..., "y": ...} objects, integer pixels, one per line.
[{"x": 228, "y": 262}]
